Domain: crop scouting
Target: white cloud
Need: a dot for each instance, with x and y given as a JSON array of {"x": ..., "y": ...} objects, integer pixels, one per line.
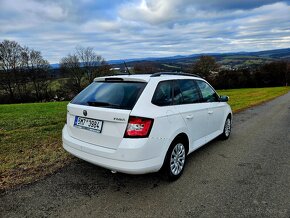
[
  {"x": 145, "y": 28},
  {"x": 153, "y": 12},
  {"x": 94, "y": 26},
  {"x": 50, "y": 10}
]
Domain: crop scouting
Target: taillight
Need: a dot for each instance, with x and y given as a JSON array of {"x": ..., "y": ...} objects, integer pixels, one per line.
[{"x": 138, "y": 127}]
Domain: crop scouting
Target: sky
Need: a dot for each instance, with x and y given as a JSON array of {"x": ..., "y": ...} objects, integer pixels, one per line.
[{"x": 122, "y": 29}]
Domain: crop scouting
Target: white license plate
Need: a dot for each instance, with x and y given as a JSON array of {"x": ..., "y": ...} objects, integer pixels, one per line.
[{"x": 89, "y": 124}]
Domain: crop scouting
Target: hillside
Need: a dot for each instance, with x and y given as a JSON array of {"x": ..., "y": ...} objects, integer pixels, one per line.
[{"x": 234, "y": 59}]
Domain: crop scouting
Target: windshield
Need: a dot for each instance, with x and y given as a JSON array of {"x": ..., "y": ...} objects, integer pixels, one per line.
[{"x": 113, "y": 94}]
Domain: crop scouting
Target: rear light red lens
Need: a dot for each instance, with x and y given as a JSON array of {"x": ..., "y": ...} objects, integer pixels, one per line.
[{"x": 138, "y": 127}]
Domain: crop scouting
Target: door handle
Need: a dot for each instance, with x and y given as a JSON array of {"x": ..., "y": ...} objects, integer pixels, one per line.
[
  {"x": 189, "y": 117},
  {"x": 210, "y": 112}
]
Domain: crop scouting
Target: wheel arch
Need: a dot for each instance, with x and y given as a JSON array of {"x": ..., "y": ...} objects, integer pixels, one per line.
[
  {"x": 180, "y": 136},
  {"x": 183, "y": 137},
  {"x": 228, "y": 113}
]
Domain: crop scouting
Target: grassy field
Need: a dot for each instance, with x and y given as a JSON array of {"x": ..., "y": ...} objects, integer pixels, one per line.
[
  {"x": 30, "y": 134},
  {"x": 30, "y": 140},
  {"x": 241, "y": 99}
]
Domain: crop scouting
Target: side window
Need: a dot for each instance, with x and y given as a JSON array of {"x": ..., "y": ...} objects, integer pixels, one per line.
[
  {"x": 208, "y": 94},
  {"x": 177, "y": 96},
  {"x": 163, "y": 94},
  {"x": 189, "y": 91}
]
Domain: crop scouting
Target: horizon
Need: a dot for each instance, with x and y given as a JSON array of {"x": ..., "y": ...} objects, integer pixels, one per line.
[
  {"x": 140, "y": 29},
  {"x": 128, "y": 60}
]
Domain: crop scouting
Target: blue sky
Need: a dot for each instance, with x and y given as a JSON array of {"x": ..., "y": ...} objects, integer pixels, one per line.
[{"x": 120, "y": 29}]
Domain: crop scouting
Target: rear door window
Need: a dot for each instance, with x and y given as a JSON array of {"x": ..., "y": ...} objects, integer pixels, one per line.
[
  {"x": 177, "y": 96},
  {"x": 111, "y": 94},
  {"x": 188, "y": 90}
]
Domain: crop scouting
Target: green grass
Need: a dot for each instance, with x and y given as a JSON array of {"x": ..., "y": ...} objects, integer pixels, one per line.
[
  {"x": 244, "y": 98},
  {"x": 30, "y": 134},
  {"x": 56, "y": 84},
  {"x": 171, "y": 66},
  {"x": 30, "y": 140}
]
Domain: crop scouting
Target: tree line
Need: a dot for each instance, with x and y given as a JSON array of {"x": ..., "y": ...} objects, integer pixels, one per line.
[
  {"x": 275, "y": 73},
  {"x": 26, "y": 76},
  {"x": 23, "y": 73}
]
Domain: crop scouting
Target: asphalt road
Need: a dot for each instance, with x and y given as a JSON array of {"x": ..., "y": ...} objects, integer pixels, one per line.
[{"x": 247, "y": 175}]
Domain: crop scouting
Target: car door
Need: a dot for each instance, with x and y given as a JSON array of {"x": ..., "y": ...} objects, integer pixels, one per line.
[
  {"x": 215, "y": 109},
  {"x": 187, "y": 99}
]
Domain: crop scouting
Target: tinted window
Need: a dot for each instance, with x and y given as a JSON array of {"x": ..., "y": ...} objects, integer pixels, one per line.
[
  {"x": 121, "y": 95},
  {"x": 189, "y": 91},
  {"x": 177, "y": 96},
  {"x": 208, "y": 94},
  {"x": 163, "y": 94}
]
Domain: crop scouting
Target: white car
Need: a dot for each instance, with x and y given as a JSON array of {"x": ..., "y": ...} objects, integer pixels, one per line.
[{"x": 139, "y": 124}]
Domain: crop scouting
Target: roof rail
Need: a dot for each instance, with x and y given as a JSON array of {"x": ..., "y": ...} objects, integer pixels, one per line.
[{"x": 174, "y": 73}]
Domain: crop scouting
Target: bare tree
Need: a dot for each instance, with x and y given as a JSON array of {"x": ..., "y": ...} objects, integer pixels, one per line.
[
  {"x": 94, "y": 65},
  {"x": 22, "y": 71},
  {"x": 10, "y": 61},
  {"x": 37, "y": 71},
  {"x": 82, "y": 67},
  {"x": 275, "y": 73},
  {"x": 205, "y": 65},
  {"x": 71, "y": 66}
]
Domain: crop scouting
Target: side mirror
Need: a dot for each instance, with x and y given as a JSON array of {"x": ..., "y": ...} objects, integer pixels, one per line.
[{"x": 224, "y": 98}]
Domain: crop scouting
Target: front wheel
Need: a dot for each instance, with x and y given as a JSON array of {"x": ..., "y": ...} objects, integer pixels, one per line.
[
  {"x": 175, "y": 160},
  {"x": 227, "y": 129}
]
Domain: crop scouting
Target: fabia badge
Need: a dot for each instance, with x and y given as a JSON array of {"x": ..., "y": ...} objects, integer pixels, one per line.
[
  {"x": 119, "y": 119},
  {"x": 85, "y": 113}
]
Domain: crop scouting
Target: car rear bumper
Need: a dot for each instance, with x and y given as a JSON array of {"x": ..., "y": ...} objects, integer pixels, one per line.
[{"x": 133, "y": 155}]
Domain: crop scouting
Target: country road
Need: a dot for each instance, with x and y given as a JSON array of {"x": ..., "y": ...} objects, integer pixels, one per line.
[{"x": 247, "y": 175}]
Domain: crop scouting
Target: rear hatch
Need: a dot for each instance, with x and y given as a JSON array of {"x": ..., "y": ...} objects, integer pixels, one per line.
[{"x": 99, "y": 114}]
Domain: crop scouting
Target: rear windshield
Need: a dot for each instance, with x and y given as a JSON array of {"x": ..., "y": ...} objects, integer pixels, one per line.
[{"x": 120, "y": 94}]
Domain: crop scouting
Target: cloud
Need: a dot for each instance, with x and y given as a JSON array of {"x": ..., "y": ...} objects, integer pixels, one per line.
[
  {"x": 158, "y": 12},
  {"x": 98, "y": 25},
  {"x": 150, "y": 11},
  {"x": 138, "y": 28},
  {"x": 46, "y": 9},
  {"x": 229, "y": 5}
]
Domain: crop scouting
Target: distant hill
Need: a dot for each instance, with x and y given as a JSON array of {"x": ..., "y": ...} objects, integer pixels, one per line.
[
  {"x": 275, "y": 54},
  {"x": 236, "y": 59},
  {"x": 54, "y": 66}
]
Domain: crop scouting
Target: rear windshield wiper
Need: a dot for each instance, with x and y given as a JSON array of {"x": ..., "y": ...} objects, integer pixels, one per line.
[{"x": 102, "y": 104}]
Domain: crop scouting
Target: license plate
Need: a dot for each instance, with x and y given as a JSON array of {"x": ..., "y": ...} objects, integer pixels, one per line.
[{"x": 88, "y": 124}]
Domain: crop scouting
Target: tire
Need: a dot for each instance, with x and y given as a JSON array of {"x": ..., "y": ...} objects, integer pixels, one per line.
[
  {"x": 175, "y": 160},
  {"x": 227, "y": 129}
]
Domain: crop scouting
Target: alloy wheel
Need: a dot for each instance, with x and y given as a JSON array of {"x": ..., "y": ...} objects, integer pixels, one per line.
[{"x": 177, "y": 159}]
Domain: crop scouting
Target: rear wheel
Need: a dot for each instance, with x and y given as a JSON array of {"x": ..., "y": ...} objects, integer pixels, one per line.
[
  {"x": 227, "y": 128},
  {"x": 175, "y": 160}
]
